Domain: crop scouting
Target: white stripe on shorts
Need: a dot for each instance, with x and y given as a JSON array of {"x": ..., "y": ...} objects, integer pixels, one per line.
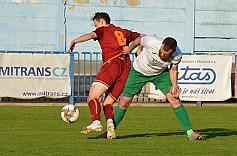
[{"x": 100, "y": 84}]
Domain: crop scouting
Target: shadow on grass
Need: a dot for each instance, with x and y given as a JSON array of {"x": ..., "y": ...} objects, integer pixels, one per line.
[
  {"x": 208, "y": 133},
  {"x": 214, "y": 132}
]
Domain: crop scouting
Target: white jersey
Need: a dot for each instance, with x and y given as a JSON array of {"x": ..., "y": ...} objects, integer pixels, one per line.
[{"x": 148, "y": 62}]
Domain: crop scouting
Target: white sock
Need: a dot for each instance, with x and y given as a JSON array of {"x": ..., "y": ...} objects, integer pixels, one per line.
[
  {"x": 97, "y": 122},
  {"x": 110, "y": 120}
]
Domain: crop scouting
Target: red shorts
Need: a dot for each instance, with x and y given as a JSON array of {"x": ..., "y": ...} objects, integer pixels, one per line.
[{"x": 114, "y": 75}]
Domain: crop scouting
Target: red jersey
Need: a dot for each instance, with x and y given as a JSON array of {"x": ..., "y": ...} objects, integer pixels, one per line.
[{"x": 112, "y": 39}]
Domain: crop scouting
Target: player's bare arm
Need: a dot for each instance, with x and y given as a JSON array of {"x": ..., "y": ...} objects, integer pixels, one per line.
[
  {"x": 132, "y": 46},
  {"x": 174, "y": 78},
  {"x": 139, "y": 50},
  {"x": 80, "y": 39}
]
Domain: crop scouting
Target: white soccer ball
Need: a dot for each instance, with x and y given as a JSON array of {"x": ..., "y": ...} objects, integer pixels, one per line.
[{"x": 70, "y": 113}]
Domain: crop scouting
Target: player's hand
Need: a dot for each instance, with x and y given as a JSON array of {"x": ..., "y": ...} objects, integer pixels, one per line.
[
  {"x": 126, "y": 50},
  {"x": 72, "y": 46},
  {"x": 174, "y": 90}
]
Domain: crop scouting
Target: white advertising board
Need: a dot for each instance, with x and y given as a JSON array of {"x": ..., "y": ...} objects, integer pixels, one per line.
[
  {"x": 204, "y": 78},
  {"x": 29, "y": 76}
]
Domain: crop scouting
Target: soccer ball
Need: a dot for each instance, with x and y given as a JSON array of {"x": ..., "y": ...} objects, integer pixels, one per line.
[{"x": 70, "y": 113}]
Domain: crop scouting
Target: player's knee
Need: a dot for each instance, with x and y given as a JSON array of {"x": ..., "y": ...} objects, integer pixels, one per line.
[
  {"x": 123, "y": 105},
  {"x": 93, "y": 95},
  {"x": 175, "y": 103},
  {"x": 91, "y": 98},
  {"x": 125, "y": 102}
]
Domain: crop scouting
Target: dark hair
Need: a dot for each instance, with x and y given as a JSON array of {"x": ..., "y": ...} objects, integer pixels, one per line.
[
  {"x": 169, "y": 43},
  {"x": 102, "y": 15}
]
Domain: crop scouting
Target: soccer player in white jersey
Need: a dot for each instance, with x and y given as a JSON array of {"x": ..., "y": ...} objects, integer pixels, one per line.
[{"x": 157, "y": 62}]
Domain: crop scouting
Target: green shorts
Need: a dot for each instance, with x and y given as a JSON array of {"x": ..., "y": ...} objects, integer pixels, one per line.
[{"x": 136, "y": 81}]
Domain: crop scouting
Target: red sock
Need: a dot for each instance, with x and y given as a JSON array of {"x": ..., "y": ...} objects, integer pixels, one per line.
[
  {"x": 108, "y": 111},
  {"x": 95, "y": 109}
]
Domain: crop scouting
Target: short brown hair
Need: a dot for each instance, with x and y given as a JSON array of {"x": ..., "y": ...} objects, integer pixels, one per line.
[
  {"x": 102, "y": 15},
  {"x": 169, "y": 43}
]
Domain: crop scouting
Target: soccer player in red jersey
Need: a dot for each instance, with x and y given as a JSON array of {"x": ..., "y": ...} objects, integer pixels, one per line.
[{"x": 113, "y": 74}]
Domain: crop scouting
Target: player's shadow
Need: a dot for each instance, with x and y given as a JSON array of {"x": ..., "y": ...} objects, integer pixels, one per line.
[{"x": 208, "y": 133}]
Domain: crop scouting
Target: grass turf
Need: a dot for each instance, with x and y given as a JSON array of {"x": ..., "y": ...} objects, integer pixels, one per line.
[{"x": 37, "y": 130}]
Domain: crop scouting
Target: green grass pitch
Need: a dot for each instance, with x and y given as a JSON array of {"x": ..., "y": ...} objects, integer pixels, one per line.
[{"x": 38, "y": 130}]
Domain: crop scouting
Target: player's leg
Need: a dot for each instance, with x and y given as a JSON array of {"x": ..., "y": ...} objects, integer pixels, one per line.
[
  {"x": 108, "y": 112},
  {"x": 97, "y": 89},
  {"x": 119, "y": 71},
  {"x": 163, "y": 83},
  {"x": 133, "y": 86},
  {"x": 121, "y": 108},
  {"x": 116, "y": 75},
  {"x": 183, "y": 118},
  {"x": 101, "y": 84},
  {"x": 180, "y": 113}
]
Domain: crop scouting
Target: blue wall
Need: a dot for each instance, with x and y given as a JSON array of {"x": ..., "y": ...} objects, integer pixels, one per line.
[{"x": 50, "y": 25}]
